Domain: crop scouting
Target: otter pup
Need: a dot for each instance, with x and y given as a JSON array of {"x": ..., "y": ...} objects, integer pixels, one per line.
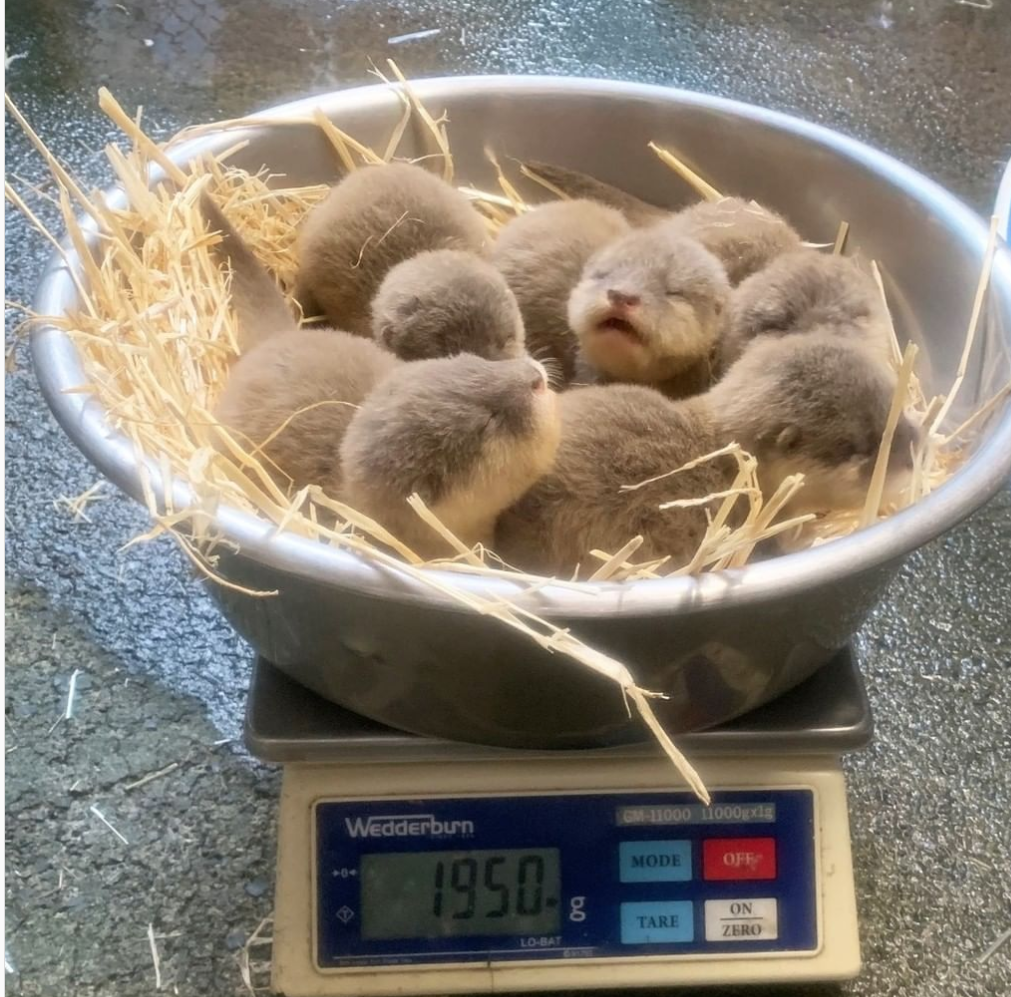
[
  {"x": 541, "y": 254},
  {"x": 812, "y": 404},
  {"x": 445, "y": 302},
  {"x": 614, "y": 435},
  {"x": 292, "y": 393},
  {"x": 375, "y": 218},
  {"x": 815, "y": 404},
  {"x": 648, "y": 309},
  {"x": 802, "y": 291},
  {"x": 743, "y": 235},
  {"x": 292, "y": 398},
  {"x": 469, "y": 435}
]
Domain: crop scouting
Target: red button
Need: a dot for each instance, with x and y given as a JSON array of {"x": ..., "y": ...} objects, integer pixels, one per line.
[{"x": 739, "y": 858}]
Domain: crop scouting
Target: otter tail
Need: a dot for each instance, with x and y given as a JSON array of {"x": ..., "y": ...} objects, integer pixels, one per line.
[
  {"x": 576, "y": 184},
  {"x": 259, "y": 306}
]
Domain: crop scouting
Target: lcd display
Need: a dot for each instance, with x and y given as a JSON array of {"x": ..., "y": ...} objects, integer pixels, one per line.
[{"x": 460, "y": 893}]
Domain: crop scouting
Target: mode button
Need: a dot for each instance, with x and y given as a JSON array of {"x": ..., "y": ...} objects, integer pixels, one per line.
[{"x": 655, "y": 861}]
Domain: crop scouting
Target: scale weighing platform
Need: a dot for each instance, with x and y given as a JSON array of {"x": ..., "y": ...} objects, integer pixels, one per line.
[{"x": 408, "y": 865}]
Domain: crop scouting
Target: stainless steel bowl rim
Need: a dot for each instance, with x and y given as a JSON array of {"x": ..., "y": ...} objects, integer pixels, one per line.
[{"x": 59, "y": 368}]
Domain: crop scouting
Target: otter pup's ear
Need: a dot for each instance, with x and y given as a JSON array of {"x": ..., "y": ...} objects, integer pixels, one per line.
[
  {"x": 386, "y": 335},
  {"x": 789, "y": 438}
]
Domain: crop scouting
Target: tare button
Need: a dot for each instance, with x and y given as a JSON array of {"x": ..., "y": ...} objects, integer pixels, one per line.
[
  {"x": 739, "y": 858},
  {"x": 657, "y": 922},
  {"x": 749, "y": 920},
  {"x": 655, "y": 861}
]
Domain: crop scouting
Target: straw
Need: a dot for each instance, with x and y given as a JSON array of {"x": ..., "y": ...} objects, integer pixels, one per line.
[
  {"x": 840, "y": 240},
  {"x": 872, "y": 506},
  {"x": 970, "y": 339},
  {"x": 707, "y": 191}
]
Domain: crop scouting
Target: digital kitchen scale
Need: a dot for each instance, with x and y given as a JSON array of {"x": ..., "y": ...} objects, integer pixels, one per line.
[{"x": 408, "y": 865}]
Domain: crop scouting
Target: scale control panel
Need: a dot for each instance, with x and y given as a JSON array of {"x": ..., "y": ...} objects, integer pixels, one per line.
[{"x": 564, "y": 877}]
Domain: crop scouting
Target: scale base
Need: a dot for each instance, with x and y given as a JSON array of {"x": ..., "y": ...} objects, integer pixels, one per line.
[
  {"x": 332, "y": 755},
  {"x": 295, "y": 970}
]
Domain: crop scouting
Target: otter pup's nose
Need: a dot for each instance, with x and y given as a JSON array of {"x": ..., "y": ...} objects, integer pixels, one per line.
[
  {"x": 619, "y": 299},
  {"x": 538, "y": 376}
]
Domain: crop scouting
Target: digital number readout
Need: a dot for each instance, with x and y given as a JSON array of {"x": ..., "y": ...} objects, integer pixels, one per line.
[{"x": 452, "y": 894}]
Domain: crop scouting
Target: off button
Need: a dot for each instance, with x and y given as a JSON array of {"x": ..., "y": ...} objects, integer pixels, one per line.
[{"x": 739, "y": 858}]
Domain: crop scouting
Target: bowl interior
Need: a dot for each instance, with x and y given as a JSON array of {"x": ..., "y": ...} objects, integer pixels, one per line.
[{"x": 929, "y": 246}]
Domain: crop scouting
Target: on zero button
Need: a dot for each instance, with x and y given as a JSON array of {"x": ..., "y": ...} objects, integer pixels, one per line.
[{"x": 751, "y": 919}]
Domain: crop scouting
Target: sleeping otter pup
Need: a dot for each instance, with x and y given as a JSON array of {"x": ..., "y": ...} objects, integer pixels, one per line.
[
  {"x": 375, "y": 218},
  {"x": 468, "y": 435},
  {"x": 444, "y": 302},
  {"x": 814, "y": 405}
]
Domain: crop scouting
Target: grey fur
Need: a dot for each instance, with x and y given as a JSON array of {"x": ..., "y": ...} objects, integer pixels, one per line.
[
  {"x": 288, "y": 373},
  {"x": 541, "y": 254},
  {"x": 743, "y": 235},
  {"x": 815, "y": 403},
  {"x": 670, "y": 290},
  {"x": 810, "y": 404},
  {"x": 445, "y": 302},
  {"x": 802, "y": 291},
  {"x": 260, "y": 308},
  {"x": 468, "y": 435},
  {"x": 375, "y": 218},
  {"x": 614, "y": 435},
  {"x": 286, "y": 370}
]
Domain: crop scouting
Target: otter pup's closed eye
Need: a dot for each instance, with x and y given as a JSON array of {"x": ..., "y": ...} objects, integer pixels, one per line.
[{"x": 649, "y": 308}]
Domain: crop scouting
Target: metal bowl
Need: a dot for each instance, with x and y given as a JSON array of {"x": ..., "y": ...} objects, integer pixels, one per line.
[{"x": 388, "y": 647}]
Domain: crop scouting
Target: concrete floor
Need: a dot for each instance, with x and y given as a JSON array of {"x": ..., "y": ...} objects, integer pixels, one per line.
[{"x": 161, "y": 675}]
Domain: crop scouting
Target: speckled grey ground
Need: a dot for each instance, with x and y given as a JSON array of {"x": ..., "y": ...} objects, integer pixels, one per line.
[{"x": 930, "y": 799}]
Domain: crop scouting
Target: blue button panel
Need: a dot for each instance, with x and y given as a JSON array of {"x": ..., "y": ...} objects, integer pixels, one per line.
[
  {"x": 655, "y": 861},
  {"x": 652, "y": 923}
]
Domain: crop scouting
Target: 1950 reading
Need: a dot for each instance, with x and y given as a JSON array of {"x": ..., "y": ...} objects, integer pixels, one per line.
[{"x": 510, "y": 891}]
